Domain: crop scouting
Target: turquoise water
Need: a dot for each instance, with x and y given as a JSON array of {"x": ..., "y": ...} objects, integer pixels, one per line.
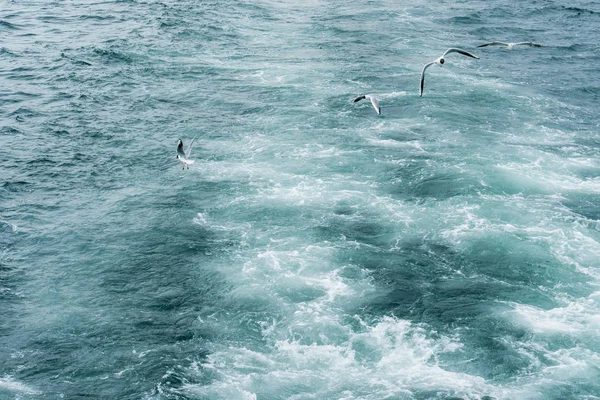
[{"x": 446, "y": 249}]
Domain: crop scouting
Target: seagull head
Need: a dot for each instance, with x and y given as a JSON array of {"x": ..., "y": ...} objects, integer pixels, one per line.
[{"x": 440, "y": 61}]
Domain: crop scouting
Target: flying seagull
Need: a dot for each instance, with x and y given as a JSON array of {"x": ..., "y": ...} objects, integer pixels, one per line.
[
  {"x": 373, "y": 99},
  {"x": 440, "y": 61},
  {"x": 509, "y": 46},
  {"x": 183, "y": 156}
]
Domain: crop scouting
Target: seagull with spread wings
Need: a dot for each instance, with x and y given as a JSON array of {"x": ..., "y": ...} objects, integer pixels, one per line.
[
  {"x": 440, "y": 61},
  {"x": 510, "y": 46},
  {"x": 374, "y": 102}
]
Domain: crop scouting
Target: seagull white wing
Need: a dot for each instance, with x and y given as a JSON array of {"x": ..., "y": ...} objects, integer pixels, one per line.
[
  {"x": 528, "y": 44},
  {"x": 493, "y": 44},
  {"x": 423, "y": 76},
  {"x": 465, "y": 53},
  {"x": 189, "y": 150},
  {"x": 375, "y": 103}
]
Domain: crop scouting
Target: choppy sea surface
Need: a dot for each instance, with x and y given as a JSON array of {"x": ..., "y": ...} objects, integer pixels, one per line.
[{"x": 447, "y": 249}]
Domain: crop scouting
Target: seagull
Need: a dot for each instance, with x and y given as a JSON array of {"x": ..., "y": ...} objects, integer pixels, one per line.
[
  {"x": 373, "y": 99},
  {"x": 509, "y": 46},
  {"x": 183, "y": 156},
  {"x": 440, "y": 61}
]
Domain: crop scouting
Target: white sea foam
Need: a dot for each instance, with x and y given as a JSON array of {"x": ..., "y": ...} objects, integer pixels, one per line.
[
  {"x": 550, "y": 181},
  {"x": 201, "y": 219},
  {"x": 304, "y": 273},
  {"x": 577, "y": 317},
  {"x": 542, "y": 220},
  {"x": 392, "y": 358},
  {"x": 549, "y": 368},
  {"x": 312, "y": 351},
  {"x": 9, "y": 384},
  {"x": 414, "y": 144},
  {"x": 14, "y": 228}
]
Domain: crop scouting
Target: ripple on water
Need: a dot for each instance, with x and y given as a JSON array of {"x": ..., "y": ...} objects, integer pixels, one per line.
[{"x": 445, "y": 249}]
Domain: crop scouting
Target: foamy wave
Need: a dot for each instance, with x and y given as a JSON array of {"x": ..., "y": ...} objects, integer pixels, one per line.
[
  {"x": 549, "y": 369},
  {"x": 396, "y": 144},
  {"x": 302, "y": 277},
  {"x": 577, "y": 317},
  {"x": 392, "y": 358},
  {"x": 533, "y": 175},
  {"x": 12, "y": 226},
  {"x": 201, "y": 219},
  {"x": 11, "y": 385},
  {"x": 542, "y": 221}
]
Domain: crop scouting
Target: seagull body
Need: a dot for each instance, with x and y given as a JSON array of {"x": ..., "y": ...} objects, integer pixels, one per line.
[
  {"x": 510, "y": 46},
  {"x": 374, "y": 102},
  {"x": 183, "y": 156},
  {"x": 440, "y": 61}
]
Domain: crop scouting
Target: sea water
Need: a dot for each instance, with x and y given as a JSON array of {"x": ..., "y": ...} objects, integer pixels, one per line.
[{"x": 446, "y": 249}]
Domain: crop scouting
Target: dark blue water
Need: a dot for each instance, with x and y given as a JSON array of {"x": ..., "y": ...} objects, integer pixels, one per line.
[{"x": 314, "y": 250}]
